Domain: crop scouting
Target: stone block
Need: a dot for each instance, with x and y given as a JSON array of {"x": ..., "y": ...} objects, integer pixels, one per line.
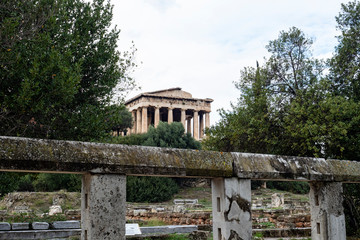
[
  {"x": 4, "y": 226},
  {"x": 277, "y": 200},
  {"x": 299, "y": 224},
  {"x": 40, "y": 225},
  {"x": 20, "y": 226},
  {"x": 72, "y": 212},
  {"x": 55, "y": 209},
  {"x": 140, "y": 212},
  {"x": 231, "y": 200},
  {"x": 185, "y": 201},
  {"x": 132, "y": 229},
  {"x": 22, "y": 209},
  {"x": 199, "y": 235},
  {"x": 103, "y": 206},
  {"x": 65, "y": 224},
  {"x": 169, "y": 229}
]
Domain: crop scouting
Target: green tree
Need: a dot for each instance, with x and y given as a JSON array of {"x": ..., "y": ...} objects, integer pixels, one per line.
[
  {"x": 170, "y": 135},
  {"x": 257, "y": 122},
  {"x": 156, "y": 189},
  {"x": 345, "y": 76},
  {"x": 345, "y": 65},
  {"x": 291, "y": 68},
  {"x": 59, "y": 69},
  {"x": 248, "y": 127},
  {"x": 9, "y": 182}
]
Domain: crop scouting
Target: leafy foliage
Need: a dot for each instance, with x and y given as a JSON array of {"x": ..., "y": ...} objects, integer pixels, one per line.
[
  {"x": 150, "y": 189},
  {"x": 156, "y": 189},
  {"x": 46, "y": 182},
  {"x": 60, "y": 68},
  {"x": 345, "y": 76},
  {"x": 295, "y": 187},
  {"x": 164, "y": 135},
  {"x": 59, "y": 71},
  {"x": 346, "y": 61},
  {"x": 9, "y": 182}
]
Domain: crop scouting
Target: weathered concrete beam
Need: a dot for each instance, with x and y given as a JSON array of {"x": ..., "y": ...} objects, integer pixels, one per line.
[
  {"x": 39, "y": 155},
  {"x": 273, "y": 167},
  {"x": 26, "y": 154}
]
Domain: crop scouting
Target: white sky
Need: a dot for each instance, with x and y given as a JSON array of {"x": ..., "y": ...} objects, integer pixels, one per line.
[{"x": 201, "y": 45}]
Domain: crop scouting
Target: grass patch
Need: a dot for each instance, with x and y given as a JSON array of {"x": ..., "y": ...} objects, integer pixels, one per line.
[
  {"x": 18, "y": 218},
  {"x": 267, "y": 225},
  {"x": 152, "y": 223}
]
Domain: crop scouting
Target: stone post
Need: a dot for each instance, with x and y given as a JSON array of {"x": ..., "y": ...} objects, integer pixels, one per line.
[
  {"x": 207, "y": 120},
  {"x": 170, "y": 115},
  {"x": 327, "y": 213},
  {"x": 103, "y": 206},
  {"x": 133, "y": 129},
  {"x": 196, "y": 125},
  {"x": 188, "y": 125},
  {"x": 201, "y": 118},
  {"x": 144, "y": 120},
  {"x": 138, "y": 120},
  {"x": 157, "y": 116},
  {"x": 183, "y": 117},
  {"x": 231, "y": 208}
]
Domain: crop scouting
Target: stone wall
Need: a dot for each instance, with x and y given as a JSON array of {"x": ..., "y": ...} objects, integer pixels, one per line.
[{"x": 171, "y": 218}]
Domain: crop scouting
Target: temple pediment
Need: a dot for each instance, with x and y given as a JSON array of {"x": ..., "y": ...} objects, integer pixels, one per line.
[{"x": 171, "y": 92}]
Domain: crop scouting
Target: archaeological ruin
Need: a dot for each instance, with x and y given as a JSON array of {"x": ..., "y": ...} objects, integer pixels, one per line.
[
  {"x": 170, "y": 105},
  {"x": 105, "y": 167}
]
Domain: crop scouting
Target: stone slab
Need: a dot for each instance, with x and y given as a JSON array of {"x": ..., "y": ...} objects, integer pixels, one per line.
[
  {"x": 132, "y": 229},
  {"x": 169, "y": 229},
  {"x": 39, "y": 234},
  {"x": 4, "y": 226},
  {"x": 275, "y": 167},
  {"x": 28, "y": 154},
  {"x": 40, "y": 225},
  {"x": 65, "y": 225},
  {"x": 39, "y": 155},
  {"x": 185, "y": 201},
  {"x": 20, "y": 226}
]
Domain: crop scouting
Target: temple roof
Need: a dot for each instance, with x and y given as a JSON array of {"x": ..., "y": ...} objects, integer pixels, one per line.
[{"x": 167, "y": 93}]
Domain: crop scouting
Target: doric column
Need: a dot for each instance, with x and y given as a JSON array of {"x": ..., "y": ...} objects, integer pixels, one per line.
[
  {"x": 103, "y": 206},
  {"x": 183, "y": 117},
  {"x": 201, "y": 117},
  {"x": 327, "y": 213},
  {"x": 157, "y": 116},
  {"x": 138, "y": 120},
  {"x": 196, "y": 125},
  {"x": 144, "y": 120},
  {"x": 207, "y": 120},
  {"x": 133, "y": 129},
  {"x": 170, "y": 115},
  {"x": 231, "y": 208},
  {"x": 188, "y": 130}
]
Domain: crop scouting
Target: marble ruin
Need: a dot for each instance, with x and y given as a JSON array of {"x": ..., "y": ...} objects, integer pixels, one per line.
[{"x": 170, "y": 105}]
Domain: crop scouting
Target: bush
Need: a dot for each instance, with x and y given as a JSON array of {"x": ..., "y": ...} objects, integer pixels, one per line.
[
  {"x": 150, "y": 189},
  {"x": 294, "y": 187},
  {"x": 46, "y": 182},
  {"x": 9, "y": 182}
]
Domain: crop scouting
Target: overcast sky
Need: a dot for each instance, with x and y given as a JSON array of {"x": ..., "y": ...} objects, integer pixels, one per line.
[{"x": 201, "y": 45}]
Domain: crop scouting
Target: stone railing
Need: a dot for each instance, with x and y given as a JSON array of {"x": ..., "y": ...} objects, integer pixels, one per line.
[{"x": 105, "y": 166}]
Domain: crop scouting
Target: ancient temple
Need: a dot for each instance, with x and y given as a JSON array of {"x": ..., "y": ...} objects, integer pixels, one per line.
[{"x": 170, "y": 105}]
